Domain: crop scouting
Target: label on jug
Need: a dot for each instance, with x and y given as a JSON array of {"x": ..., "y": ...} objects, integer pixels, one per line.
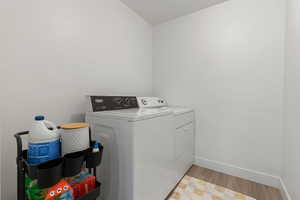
[{"x": 42, "y": 152}]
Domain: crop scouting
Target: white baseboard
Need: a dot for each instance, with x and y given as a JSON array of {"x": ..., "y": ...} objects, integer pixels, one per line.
[
  {"x": 232, "y": 170},
  {"x": 284, "y": 192}
]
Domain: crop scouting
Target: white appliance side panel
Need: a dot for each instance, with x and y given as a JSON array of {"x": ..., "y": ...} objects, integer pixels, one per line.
[
  {"x": 154, "y": 156},
  {"x": 125, "y": 144},
  {"x": 184, "y": 147},
  {"x": 107, "y": 172},
  {"x": 115, "y": 172}
]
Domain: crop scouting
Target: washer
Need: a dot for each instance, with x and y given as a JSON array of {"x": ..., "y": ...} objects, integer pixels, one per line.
[{"x": 145, "y": 154}]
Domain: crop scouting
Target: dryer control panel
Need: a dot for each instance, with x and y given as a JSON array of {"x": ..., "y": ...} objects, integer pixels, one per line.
[
  {"x": 105, "y": 103},
  {"x": 151, "y": 102}
]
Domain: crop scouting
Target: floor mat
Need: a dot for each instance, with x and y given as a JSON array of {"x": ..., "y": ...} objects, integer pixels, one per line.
[{"x": 191, "y": 188}]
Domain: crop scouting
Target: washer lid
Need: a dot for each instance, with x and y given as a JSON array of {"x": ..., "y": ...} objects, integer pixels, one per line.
[{"x": 133, "y": 114}]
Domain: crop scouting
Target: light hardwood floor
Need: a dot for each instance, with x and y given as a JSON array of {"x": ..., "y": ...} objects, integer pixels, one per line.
[{"x": 250, "y": 188}]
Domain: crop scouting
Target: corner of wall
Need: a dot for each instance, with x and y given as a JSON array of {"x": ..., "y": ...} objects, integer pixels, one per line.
[{"x": 283, "y": 190}]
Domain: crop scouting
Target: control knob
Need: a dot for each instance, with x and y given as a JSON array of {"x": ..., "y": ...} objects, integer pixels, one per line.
[{"x": 144, "y": 101}]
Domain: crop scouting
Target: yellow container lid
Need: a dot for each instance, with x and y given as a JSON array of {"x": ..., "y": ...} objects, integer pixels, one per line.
[{"x": 75, "y": 125}]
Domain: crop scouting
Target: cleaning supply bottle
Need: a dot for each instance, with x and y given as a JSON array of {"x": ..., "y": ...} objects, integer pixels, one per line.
[
  {"x": 96, "y": 147},
  {"x": 44, "y": 141}
]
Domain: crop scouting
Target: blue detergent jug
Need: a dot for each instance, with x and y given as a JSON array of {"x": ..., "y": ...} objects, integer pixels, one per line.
[{"x": 44, "y": 144}]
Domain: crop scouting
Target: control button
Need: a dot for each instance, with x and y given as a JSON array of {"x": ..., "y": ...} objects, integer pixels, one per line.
[
  {"x": 117, "y": 100},
  {"x": 144, "y": 102},
  {"x": 99, "y": 100},
  {"x": 127, "y": 101}
]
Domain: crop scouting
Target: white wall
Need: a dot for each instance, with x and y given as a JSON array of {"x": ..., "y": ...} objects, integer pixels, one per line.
[
  {"x": 1, "y": 143},
  {"x": 54, "y": 52},
  {"x": 291, "y": 172},
  {"x": 227, "y": 62}
]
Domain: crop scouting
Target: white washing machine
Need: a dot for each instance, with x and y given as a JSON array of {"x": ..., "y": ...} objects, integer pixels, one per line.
[{"x": 148, "y": 146}]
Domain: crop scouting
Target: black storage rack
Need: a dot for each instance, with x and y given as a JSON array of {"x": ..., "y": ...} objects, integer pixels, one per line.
[{"x": 51, "y": 172}]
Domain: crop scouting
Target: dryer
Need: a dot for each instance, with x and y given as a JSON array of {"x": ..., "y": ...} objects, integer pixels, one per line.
[{"x": 183, "y": 129}]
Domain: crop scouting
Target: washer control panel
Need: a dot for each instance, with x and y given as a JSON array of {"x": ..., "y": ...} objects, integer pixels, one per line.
[
  {"x": 105, "y": 103},
  {"x": 151, "y": 102}
]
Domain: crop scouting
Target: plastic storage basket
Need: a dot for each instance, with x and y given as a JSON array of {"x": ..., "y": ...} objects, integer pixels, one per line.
[{"x": 51, "y": 172}]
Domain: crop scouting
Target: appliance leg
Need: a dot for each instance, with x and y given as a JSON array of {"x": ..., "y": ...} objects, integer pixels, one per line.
[
  {"x": 21, "y": 181},
  {"x": 95, "y": 171}
]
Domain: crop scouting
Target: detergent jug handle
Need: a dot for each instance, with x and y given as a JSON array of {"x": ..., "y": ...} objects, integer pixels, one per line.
[{"x": 51, "y": 124}]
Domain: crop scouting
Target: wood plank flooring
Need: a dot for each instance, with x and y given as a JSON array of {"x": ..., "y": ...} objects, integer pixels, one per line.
[{"x": 252, "y": 189}]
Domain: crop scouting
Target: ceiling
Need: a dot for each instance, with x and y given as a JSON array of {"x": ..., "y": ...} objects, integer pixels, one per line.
[{"x": 159, "y": 11}]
